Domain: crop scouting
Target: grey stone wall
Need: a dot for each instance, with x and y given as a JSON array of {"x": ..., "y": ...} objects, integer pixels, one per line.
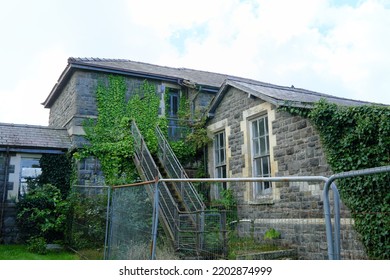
[
  {"x": 77, "y": 102},
  {"x": 3, "y": 178},
  {"x": 298, "y": 149},
  {"x": 231, "y": 108},
  {"x": 5, "y": 169},
  {"x": 8, "y": 228},
  {"x": 200, "y": 101},
  {"x": 89, "y": 172},
  {"x": 64, "y": 108}
]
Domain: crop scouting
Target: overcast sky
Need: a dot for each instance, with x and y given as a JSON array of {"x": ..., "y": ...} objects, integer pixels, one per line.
[{"x": 335, "y": 47}]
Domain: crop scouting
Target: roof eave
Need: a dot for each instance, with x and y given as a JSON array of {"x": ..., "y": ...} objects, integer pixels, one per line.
[
  {"x": 34, "y": 150},
  {"x": 72, "y": 66},
  {"x": 225, "y": 87},
  {"x": 113, "y": 70},
  {"x": 54, "y": 93},
  {"x": 277, "y": 102}
]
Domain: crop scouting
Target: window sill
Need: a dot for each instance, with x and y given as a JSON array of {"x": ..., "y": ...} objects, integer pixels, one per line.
[{"x": 266, "y": 200}]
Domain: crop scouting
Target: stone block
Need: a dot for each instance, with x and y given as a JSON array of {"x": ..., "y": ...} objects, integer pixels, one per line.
[
  {"x": 301, "y": 124},
  {"x": 314, "y": 162},
  {"x": 290, "y": 151}
]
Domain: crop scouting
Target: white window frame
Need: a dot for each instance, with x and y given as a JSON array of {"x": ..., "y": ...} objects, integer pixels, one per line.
[
  {"x": 260, "y": 155},
  {"x": 220, "y": 171},
  {"x": 29, "y": 169}
]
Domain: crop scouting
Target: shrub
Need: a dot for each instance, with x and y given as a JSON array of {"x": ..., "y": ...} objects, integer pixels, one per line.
[
  {"x": 37, "y": 245},
  {"x": 42, "y": 213},
  {"x": 272, "y": 234},
  {"x": 88, "y": 220}
]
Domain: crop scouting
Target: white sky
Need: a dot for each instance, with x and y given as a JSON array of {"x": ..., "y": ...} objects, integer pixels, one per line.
[{"x": 335, "y": 47}]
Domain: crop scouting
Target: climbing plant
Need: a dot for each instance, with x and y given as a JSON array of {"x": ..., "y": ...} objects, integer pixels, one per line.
[
  {"x": 109, "y": 134},
  {"x": 143, "y": 107},
  {"x": 358, "y": 137},
  {"x": 56, "y": 170},
  {"x": 190, "y": 147}
]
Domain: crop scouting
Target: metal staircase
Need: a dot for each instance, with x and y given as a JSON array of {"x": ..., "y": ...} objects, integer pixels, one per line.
[{"x": 181, "y": 209}]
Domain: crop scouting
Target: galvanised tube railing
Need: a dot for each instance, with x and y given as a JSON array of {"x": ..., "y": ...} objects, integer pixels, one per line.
[
  {"x": 332, "y": 251},
  {"x": 334, "y": 248},
  {"x": 175, "y": 171},
  {"x": 167, "y": 204}
]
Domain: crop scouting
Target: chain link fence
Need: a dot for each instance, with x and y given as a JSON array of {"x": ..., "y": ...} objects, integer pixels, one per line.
[
  {"x": 289, "y": 224},
  {"x": 131, "y": 216},
  {"x": 299, "y": 219},
  {"x": 88, "y": 225}
]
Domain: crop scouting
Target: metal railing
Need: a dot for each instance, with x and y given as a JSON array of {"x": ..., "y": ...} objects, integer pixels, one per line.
[
  {"x": 168, "y": 207},
  {"x": 148, "y": 169},
  {"x": 176, "y": 129},
  {"x": 175, "y": 170},
  {"x": 307, "y": 229},
  {"x": 334, "y": 240}
]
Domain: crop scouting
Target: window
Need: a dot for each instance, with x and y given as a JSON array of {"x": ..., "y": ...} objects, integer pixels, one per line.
[
  {"x": 172, "y": 110},
  {"x": 29, "y": 169},
  {"x": 260, "y": 155},
  {"x": 220, "y": 157}
]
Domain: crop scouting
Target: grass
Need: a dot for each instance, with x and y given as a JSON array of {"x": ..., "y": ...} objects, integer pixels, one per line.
[
  {"x": 245, "y": 245},
  {"x": 91, "y": 254},
  {"x": 19, "y": 252}
]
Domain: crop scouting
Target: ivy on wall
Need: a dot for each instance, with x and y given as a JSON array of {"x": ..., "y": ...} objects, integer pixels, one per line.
[
  {"x": 143, "y": 108},
  {"x": 57, "y": 171},
  {"x": 354, "y": 138},
  {"x": 189, "y": 148},
  {"x": 109, "y": 135}
]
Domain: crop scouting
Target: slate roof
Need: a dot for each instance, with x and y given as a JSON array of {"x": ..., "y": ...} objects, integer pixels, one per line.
[
  {"x": 33, "y": 136},
  {"x": 195, "y": 76},
  {"x": 280, "y": 95},
  {"x": 204, "y": 79}
]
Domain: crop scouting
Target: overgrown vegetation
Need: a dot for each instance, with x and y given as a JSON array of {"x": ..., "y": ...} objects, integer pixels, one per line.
[
  {"x": 88, "y": 212},
  {"x": 193, "y": 128},
  {"x": 109, "y": 135},
  {"x": 42, "y": 214},
  {"x": 272, "y": 234},
  {"x": 354, "y": 138},
  {"x": 57, "y": 171},
  {"x": 111, "y": 142}
]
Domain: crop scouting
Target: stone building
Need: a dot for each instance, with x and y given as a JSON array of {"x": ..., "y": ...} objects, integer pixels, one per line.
[{"x": 251, "y": 138}]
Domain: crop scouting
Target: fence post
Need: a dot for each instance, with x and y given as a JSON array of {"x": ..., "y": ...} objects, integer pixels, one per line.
[
  {"x": 328, "y": 221},
  {"x": 336, "y": 221},
  {"x": 155, "y": 220},
  {"x": 224, "y": 232},
  {"x": 107, "y": 223},
  {"x": 334, "y": 248}
]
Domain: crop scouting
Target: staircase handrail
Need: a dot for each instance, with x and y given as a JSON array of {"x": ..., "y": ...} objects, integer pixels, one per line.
[
  {"x": 150, "y": 171},
  {"x": 177, "y": 171}
]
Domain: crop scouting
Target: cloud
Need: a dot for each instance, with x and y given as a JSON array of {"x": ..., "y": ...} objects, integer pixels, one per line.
[
  {"x": 21, "y": 103},
  {"x": 340, "y": 50},
  {"x": 334, "y": 47}
]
